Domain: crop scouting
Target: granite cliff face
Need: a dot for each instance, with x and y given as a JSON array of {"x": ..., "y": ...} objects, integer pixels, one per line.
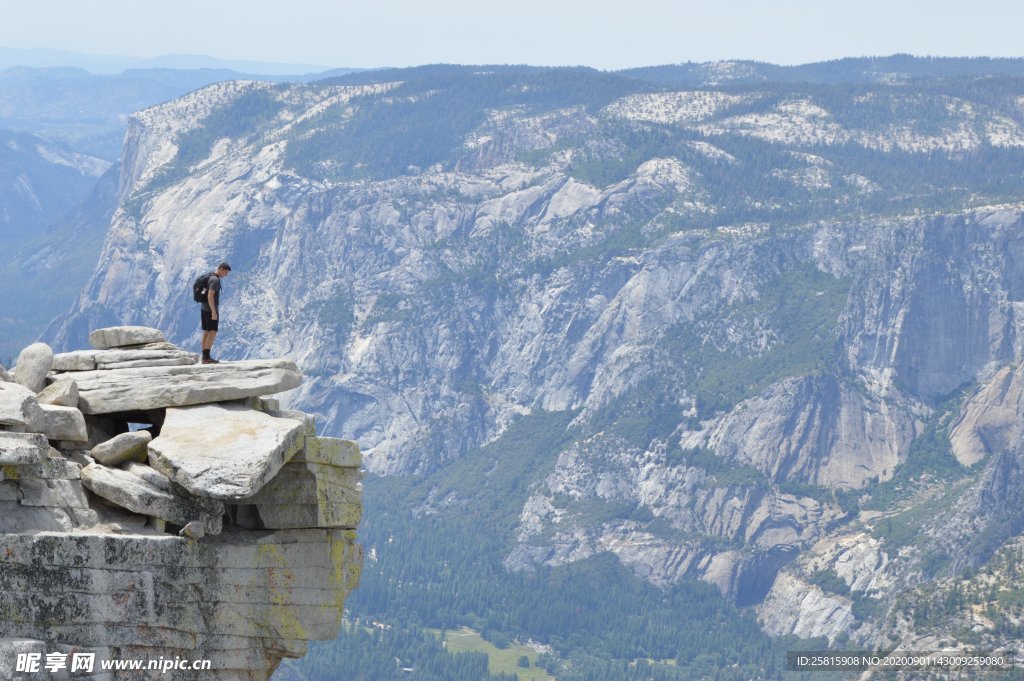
[
  {"x": 758, "y": 327},
  {"x": 39, "y": 181},
  {"x": 945, "y": 539},
  {"x": 156, "y": 509}
]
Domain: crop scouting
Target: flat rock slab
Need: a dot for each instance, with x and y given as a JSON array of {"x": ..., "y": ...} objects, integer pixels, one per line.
[
  {"x": 124, "y": 355},
  {"x": 79, "y": 360},
  {"x": 167, "y": 362},
  {"x": 117, "y": 390},
  {"x": 139, "y": 496},
  {"x": 120, "y": 336},
  {"x": 140, "y": 356},
  {"x": 162, "y": 345},
  {"x": 226, "y": 452},
  {"x": 19, "y": 449}
]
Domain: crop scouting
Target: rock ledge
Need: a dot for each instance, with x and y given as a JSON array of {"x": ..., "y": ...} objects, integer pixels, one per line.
[{"x": 153, "y": 507}]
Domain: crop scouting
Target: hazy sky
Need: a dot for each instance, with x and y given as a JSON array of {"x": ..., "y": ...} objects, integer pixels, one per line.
[{"x": 601, "y": 33}]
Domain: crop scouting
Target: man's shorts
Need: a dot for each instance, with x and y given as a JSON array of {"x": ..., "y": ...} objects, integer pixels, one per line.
[{"x": 208, "y": 323}]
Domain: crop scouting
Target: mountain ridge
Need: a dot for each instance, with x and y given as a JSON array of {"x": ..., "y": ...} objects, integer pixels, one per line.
[{"x": 112, "y": 64}]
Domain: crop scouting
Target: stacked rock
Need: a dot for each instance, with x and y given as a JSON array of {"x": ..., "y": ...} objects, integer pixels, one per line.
[{"x": 174, "y": 509}]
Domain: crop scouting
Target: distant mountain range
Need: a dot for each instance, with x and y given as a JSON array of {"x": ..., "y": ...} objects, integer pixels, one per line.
[
  {"x": 88, "y": 111},
  {"x": 890, "y": 69},
  {"x": 111, "y": 64}
]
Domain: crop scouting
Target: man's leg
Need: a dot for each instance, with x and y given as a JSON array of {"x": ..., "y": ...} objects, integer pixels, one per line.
[
  {"x": 209, "y": 335},
  {"x": 208, "y": 339},
  {"x": 204, "y": 324}
]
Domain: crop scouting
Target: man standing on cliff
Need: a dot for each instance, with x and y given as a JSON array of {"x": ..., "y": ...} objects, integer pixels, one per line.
[{"x": 210, "y": 314}]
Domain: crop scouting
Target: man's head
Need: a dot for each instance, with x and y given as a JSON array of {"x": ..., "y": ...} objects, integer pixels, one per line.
[{"x": 223, "y": 269}]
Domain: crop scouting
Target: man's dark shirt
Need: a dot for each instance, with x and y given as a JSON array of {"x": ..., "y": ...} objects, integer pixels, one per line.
[{"x": 213, "y": 284}]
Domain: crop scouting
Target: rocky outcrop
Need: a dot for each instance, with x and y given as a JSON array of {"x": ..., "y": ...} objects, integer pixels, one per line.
[
  {"x": 991, "y": 419},
  {"x": 801, "y": 609},
  {"x": 854, "y": 583},
  {"x": 704, "y": 518},
  {"x": 802, "y": 604},
  {"x": 235, "y": 544},
  {"x": 813, "y": 429}
]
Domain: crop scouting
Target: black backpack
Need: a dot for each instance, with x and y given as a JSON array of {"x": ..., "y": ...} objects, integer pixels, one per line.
[{"x": 200, "y": 287}]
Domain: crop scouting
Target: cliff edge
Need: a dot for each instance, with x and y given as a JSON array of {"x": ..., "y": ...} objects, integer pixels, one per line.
[{"x": 158, "y": 510}]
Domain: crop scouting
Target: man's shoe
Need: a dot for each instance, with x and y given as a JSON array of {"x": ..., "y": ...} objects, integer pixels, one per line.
[{"x": 210, "y": 360}]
